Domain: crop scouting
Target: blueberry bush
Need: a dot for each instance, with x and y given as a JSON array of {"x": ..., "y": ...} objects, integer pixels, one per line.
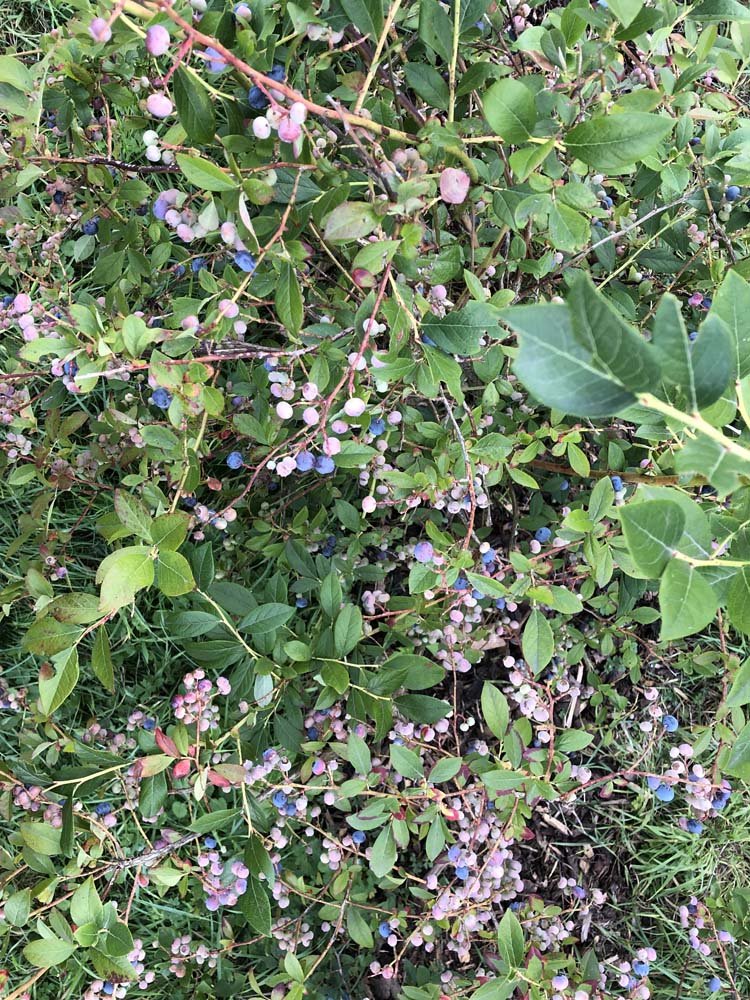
[{"x": 375, "y": 452}]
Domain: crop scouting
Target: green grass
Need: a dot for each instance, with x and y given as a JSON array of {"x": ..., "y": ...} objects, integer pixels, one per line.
[{"x": 24, "y": 22}]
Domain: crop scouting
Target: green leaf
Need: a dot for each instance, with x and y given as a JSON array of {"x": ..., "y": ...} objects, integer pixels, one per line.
[
  {"x": 75, "y": 608},
  {"x": 625, "y": 10},
  {"x": 510, "y": 940},
  {"x": 358, "y": 929},
  {"x": 558, "y": 369},
  {"x": 568, "y": 229},
  {"x": 739, "y": 693},
  {"x": 215, "y": 820},
  {"x": 732, "y": 305},
  {"x": 169, "y": 531},
  {"x": 136, "y": 335},
  {"x": 384, "y": 853},
  {"x": 615, "y": 143},
  {"x": 615, "y": 347},
  {"x": 406, "y": 762},
  {"x": 350, "y": 221},
  {"x": 48, "y": 636},
  {"x": 537, "y": 641},
  {"x": 288, "y": 300},
  {"x": 444, "y": 770},
  {"x": 122, "y": 574},
  {"x": 266, "y": 618},
  {"x": 205, "y": 175},
  {"x": 13, "y": 72},
  {"x": 720, "y": 10},
  {"x": 738, "y": 602},
  {"x": 358, "y": 754},
  {"x": 422, "y": 707},
  {"x": 558, "y": 598},
  {"x": 194, "y": 107},
  {"x": 48, "y": 951},
  {"x": 85, "y": 904},
  {"x": 652, "y": 530},
  {"x": 428, "y": 84},
  {"x": 153, "y": 795},
  {"x": 54, "y": 690},
  {"x": 256, "y": 906},
  {"x": 101, "y": 659},
  {"x": 41, "y": 838},
  {"x": 330, "y": 595},
  {"x": 703, "y": 456},
  {"x": 17, "y": 908},
  {"x": 672, "y": 347},
  {"x": 133, "y": 514},
  {"x": 739, "y": 758},
  {"x": 712, "y": 361},
  {"x": 686, "y": 601},
  {"x": 460, "y": 331},
  {"x": 348, "y": 629},
  {"x": 510, "y": 110},
  {"x": 495, "y": 710},
  {"x": 173, "y": 574},
  {"x": 366, "y": 15}
]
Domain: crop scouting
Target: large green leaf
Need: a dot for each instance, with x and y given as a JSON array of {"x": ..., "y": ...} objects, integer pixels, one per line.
[
  {"x": 194, "y": 107},
  {"x": 558, "y": 369},
  {"x": 205, "y": 175},
  {"x": 55, "y": 687},
  {"x": 738, "y": 604},
  {"x": 615, "y": 347},
  {"x": 122, "y": 574},
  {"x": 652, "y": 530},
  {"x": 460, "y": 331},
  {"x": 732, "y": 304},
  {"x": 686, "y": 600},
  {"x": 537, "y": 641},
  {"x": 617, "y": 142},
  {"x": 173, "y": 574},
  {"x": 510, "y": 110}
]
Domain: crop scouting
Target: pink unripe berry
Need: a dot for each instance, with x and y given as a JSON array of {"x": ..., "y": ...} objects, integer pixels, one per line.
[
  {"x": 454, "y": 186},
  {"x": 159, "y": 105},
  {"x": 289, "y": 131},
  {"x": 369, "y": 504},
  {"x": 99, "y": 30},
  {"x": 157, "y": 40},
  {"x": 284, "y": 410},
  {"x": 229, "y": 308}
]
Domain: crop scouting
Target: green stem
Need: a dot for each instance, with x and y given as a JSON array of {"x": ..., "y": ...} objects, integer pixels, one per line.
[{"x": 696, "y": 423}]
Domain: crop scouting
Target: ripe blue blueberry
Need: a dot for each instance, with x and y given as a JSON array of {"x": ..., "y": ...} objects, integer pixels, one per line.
[
  {"x": 564, "y": 485},
  {"x": 694, "y": 826},
  {"x": 142, "y": 209},
  {"x": 692, "y": 334},
  {"x": 180, "y": 271},
  {"x": 384, "y": 929},
  {"x": 670, "y": 723},
  {"x": 198, "y": 264},
  {"x": 279, "y": 799},
  {"x": 543, "y": 534},
  {"x": 312, "y": 733},
  {"x": 149, "y": 724},
  {"x": 714, "y": 984},
  {"x": 257, "y": 99},
  {"x": 641, "y": 968},
  {"x": 235, "y": 460},
  {"x": 733, "y": 192},
  {"x": 359, "y": 836},
  {"x": 7, "y": 299},
  {"x": 210, "y": 843},
  {"x": 695, "y": 141},
  {"x": 59, "y": 197},
  {"x": 301, "y": 602},
  {"x": 500, "y": 603},
  {"x": 477, "y": 595},
  {"x": 108, "y": 989},
  {"x": 607, "y": 201},
  {"x": 428, "y": 340},
  {"x": 616, "y": 484},
  {"x": 707, "y": 303},
  {"x": 304, "y": 461},
  {"x": 70, "y": 368},
  {"x": 377, "y": 426},
  {"x": 489, "y": 556},
  {"x": 665, "y": 793},
  {"x": 91, "y": 227},
  {"x": 245, "y": 261},
  {"x": 161, "y": 398},
  {"x": 454, "y": 853},
  {"x": 653, "y": 782},
  {"x": 102, "y": 808},
  {"x": 461, "y": 583},
  {"x": 277, "y": 73},
  {"x": 324, "y": 465},
  {"x": 462, "y": 872}
]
